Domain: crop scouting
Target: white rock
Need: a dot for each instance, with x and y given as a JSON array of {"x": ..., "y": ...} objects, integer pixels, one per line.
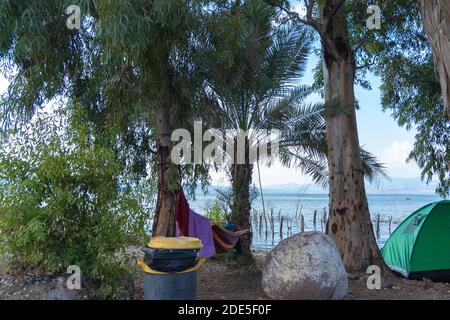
[{"x": 305, "y": 266}]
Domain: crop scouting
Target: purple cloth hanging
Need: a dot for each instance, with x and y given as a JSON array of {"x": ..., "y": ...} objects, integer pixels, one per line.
[{"x": 200, "y": 227}]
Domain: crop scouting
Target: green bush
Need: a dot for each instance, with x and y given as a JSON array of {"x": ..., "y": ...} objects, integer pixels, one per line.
[
  {"x": 65, "y": 200},
  {"x": 216, "y": 214}
]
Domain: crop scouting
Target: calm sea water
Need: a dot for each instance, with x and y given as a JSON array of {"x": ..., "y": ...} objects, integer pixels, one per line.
[{"x": 390, "y": 207}]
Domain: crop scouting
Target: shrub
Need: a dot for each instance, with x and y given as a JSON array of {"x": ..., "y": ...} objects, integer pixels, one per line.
[
  {"x": 66, "y": 200},
  {"x": 216, "y": 214}
]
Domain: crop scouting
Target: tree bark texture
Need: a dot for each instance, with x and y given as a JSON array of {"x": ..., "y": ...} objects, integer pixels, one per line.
[
  {"x": 436, "y": 19},
  {"x": 349, "y": 221},
  {"x": 164, "y": 220}
]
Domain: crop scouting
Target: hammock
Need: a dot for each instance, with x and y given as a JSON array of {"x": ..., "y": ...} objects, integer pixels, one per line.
[
  {"x": 215, "y": 239},
  {"x": 225, "y": 240}
]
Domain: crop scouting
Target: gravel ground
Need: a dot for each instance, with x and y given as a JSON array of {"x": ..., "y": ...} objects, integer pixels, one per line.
[
  {"x": 217, "y": 280},
  {"x": 26, "y": 286}
]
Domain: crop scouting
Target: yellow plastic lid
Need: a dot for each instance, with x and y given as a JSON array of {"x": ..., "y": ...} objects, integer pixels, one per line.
[
  {"x": 147, "y": 269},
  {"x": 175, "y": 243}
]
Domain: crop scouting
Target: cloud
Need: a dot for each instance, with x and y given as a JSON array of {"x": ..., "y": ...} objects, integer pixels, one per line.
[
  {"x": 398, "y": 152},
  {"x": 395, "y": 158}
]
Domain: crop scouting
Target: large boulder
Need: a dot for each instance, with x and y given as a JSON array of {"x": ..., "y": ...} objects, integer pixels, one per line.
[{"x": 305, "y": 266}]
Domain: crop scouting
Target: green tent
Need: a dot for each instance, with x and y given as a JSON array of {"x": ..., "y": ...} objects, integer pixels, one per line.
[{"x": 420, "y": 246}]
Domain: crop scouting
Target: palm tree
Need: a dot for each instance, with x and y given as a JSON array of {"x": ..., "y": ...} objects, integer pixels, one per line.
[{"x": 251, "y": 70}]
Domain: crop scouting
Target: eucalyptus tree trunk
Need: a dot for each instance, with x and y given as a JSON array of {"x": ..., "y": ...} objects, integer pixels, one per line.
[
  {"x": 164, "y": 220},
  {"x": 349, "y": 221},
  {"x": 436, "y": 17},
  {"x": 241, "y": 180}
]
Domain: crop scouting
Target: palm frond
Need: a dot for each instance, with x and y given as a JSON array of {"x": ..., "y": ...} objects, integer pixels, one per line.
[
  {"x": 373, "y": 170},
  {"x": 315, "y": 168}
]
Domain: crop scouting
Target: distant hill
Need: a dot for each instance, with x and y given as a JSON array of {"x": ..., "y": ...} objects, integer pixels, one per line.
[
  {"x": 402, "y": 186},
  {"x": 408, "y": 186}
]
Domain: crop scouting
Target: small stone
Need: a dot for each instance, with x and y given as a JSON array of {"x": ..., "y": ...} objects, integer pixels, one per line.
[
  {"x": 386, "y": 283},
  {"x": 428, "y": 284}
]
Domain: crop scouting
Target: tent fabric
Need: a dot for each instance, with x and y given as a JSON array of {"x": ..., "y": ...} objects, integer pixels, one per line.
[
  {"x": 421, "y": 243},
  {"x": 432, "y": 249}
]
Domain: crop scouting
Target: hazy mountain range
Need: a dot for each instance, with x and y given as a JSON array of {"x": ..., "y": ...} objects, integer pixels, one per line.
[{"x": 408, "y": 186}]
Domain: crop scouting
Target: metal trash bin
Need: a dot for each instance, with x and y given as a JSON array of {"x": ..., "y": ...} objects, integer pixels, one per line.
[{"x": 180, "y": 285}]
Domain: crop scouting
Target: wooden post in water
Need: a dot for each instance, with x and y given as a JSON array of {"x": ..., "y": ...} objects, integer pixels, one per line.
[
  {"x": 281, "y": 227},
  {"x": 302, "y": 223},
  {"x": 324, "y": 218},
  {"x": 315, "y": 219},
  {"x": 390, "y": 222},
  {"x": 272, "y": 223},
  {"x": 258, "y": 214},
  {"x": 378, "y": 226},
  {"x": 287, "y": 226},
  {"x": 260, "y": 224},
  {"x": 265, "y": 224}
]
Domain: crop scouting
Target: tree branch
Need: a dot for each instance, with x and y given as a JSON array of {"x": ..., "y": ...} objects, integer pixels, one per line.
[
  {"x": 309, "y": 9},
  {"x": 310, "y": 21},
  {"x": 339, "y": 6}
]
